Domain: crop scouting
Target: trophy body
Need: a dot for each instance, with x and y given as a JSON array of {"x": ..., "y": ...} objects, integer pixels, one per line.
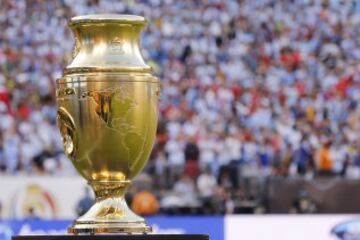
[{"x": 107, "y": 116}]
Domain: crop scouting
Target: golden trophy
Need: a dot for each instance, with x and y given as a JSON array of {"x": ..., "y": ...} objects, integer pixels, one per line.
[{"x": 107, "y": 116}]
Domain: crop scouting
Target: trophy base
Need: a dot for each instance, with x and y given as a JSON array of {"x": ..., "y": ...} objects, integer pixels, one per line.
[
  {"x": 111, "y": 227},
  {"x": 109, "y": 215},
  {"x": 116, "y": 237}
]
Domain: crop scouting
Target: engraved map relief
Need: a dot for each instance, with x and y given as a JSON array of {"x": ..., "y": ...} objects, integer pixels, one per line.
[{"x": 113, "y": 107}]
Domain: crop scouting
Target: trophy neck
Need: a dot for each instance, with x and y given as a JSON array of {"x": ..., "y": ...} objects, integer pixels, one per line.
[{"x": 107, "y": 43}]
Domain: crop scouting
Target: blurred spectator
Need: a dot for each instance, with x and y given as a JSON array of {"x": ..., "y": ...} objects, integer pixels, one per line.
[
  {"x": 11, "y": 150},
  {"x": 191, "y": 152},
  {"x": 183, "y": 196},
  {"x": 325, "y": 161},
  {"x": 229, "y": 204},
  {"x": 206, "y": 185},
  {"x": 185, "y": 189},
  {"x": 303, "y": 157}
]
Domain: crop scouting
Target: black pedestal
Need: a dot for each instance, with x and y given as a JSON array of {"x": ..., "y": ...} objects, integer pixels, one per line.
[{"x": 116, "y": 237}]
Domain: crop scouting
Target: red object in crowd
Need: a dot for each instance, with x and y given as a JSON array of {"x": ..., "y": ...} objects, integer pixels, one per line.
[
  {"x": 162, "y": 138},
  {"x": 300, "y": 87},
  {"x": 291, "y": 58},
  {"x": 282, "y": 97},
  {"x": 265, "y": 59},
  {"x": 166, "y": 110},
  {"x": 255, "y": 101},
  {"x": 192, "y": 168},
  {"x": 24, "y": 111},
  {"x": 275, "y": 142},
  {"x": 237, "y": 90},
  {"x": 5, "y": 98},
  {"x": 343, "y": 85}
]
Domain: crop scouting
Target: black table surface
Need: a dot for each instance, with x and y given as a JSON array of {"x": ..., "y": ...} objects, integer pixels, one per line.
[{"x": 115, "y": 237}]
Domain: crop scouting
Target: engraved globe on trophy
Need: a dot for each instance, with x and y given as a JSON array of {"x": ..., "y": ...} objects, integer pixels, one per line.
[{"x": 107, "y": 116}]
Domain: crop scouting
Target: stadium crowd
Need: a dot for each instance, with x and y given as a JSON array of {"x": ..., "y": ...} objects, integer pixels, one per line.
[{"x": 249, "y": 88}]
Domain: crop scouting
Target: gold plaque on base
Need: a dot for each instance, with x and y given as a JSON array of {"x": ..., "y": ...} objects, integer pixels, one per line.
[{"x": 107, "y": 116}]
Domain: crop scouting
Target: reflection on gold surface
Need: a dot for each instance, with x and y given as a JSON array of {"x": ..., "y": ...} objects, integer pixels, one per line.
[{"x": 110, "y": 212}]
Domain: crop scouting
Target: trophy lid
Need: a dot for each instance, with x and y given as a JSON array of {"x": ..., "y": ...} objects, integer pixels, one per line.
[{"x": 107, "y": 18}]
